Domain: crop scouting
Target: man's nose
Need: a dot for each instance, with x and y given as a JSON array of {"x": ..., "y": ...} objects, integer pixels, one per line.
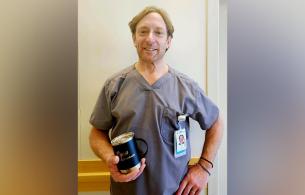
[{"x": 150, "y": 37}]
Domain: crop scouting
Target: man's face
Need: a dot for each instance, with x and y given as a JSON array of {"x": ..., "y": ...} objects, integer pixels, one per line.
[
  {"x": 151, "y": 38},
  {"x": 181, "y": 139}
]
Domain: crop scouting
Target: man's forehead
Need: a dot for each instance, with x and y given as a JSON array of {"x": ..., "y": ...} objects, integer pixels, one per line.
[
  {"x": 152, "y": 19},
  {"x": 149, "y": 26}
]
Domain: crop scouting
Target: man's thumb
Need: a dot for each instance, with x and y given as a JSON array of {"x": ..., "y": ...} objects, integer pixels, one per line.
[{"x": 114, "y": 159}]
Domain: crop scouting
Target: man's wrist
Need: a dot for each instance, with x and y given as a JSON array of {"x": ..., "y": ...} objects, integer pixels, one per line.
[
  {"x": 205, "y": 165},
  {"x": 206, "y": 162},
  {"x": 204, "y": 168}
]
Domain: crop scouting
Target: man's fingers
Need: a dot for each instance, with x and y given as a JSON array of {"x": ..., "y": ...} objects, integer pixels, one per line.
[
  {"x": 131, "y": 175},
  {"x": 142, "y": 168},
  {"x": 118, "y": 176},
  {"x": 194, "y": 191},
  {"x": 187, "y": 189},
  {"x": 115, "y": 160},
  {"x": 143, "y": 165},
  {"x": 181, "y": 187},
  {"x": 197, "y": 192},
  {"x": 112, "y": 163},
  {"x": 137, "y": 175}
]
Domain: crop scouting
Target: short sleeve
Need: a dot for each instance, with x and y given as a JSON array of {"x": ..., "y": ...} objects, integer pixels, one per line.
[
  {"x": 206, "y": 112},
  {"x": 101, "y": 117}
]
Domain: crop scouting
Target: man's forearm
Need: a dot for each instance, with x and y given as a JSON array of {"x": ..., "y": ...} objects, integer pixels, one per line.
[
  {"x": 100, "y": 144},
  {"x": 212, "y": 142}
]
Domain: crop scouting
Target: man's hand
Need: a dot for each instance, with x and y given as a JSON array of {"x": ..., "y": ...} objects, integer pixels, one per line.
[
  {"x": 194, "y": 181},
  {"x": 120, "y": 177}
]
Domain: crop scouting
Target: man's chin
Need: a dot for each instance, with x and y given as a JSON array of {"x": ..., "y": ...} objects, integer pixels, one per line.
[
  {"x": 151, "y": 59},
  {"x": 148, "y": 60}
]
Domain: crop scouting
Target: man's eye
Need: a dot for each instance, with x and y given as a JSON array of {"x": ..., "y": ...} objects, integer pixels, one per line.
[
  {"x": 143, "y": 32},
  {"x": 160, "y": 33}
]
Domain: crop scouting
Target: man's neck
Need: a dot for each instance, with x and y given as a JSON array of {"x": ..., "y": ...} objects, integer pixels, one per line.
[
  {"x": 151, "y": 72},
  {"x": 151, "y": 68}
]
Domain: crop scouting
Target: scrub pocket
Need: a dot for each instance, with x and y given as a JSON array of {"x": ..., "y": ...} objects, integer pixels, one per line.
[{"x": 169, "y": 123}]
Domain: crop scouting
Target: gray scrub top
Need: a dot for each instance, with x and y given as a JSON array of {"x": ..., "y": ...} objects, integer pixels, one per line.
[{"x": 128, "y": 102}]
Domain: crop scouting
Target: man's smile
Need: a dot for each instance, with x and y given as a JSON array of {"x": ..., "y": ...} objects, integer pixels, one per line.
[{"x": 150, "y": 49}]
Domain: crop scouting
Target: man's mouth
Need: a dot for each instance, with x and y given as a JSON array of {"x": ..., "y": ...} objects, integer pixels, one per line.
[{"x": 150, "y": 49}]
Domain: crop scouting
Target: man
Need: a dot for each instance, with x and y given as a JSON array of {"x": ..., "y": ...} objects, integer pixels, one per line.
[{"x": 148, "y": 98}]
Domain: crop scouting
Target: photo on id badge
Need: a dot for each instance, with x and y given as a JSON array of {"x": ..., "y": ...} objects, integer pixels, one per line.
[{"x": 180, "y": 143}]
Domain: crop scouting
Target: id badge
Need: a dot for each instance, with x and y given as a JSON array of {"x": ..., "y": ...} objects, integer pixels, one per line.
[{"x": 180, "y": 142}]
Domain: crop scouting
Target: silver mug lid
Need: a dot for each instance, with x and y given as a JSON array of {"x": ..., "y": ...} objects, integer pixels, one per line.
[{"x": 123, "y": 138}]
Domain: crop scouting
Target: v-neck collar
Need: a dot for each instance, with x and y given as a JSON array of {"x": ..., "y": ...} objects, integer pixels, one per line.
[{"x": 157, "y": 84}]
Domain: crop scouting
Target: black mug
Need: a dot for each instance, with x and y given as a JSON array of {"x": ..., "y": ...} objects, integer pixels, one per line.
[{"x": 125, "y": 147}]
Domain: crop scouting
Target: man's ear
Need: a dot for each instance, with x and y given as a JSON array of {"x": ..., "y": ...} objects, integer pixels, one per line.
[
  {"x": 168, "y": 42},
  {"x": 134, "y": 40}
]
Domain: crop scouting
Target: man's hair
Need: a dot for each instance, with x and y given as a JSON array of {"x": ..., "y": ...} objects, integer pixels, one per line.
[{"x": 134, "y": 22}]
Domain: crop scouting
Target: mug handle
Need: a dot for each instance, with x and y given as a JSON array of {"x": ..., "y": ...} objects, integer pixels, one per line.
[{"x": 142, "y": 140}]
